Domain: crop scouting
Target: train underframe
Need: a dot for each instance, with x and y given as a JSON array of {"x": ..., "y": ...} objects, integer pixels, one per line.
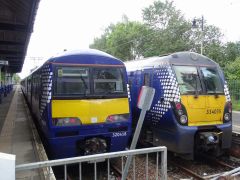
[
  {"x": 93, "y": 143},
  {"x": 189, "y": 141}
]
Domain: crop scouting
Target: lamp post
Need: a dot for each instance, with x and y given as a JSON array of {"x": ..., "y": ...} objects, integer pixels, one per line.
[{"x": 194, "y": 25}]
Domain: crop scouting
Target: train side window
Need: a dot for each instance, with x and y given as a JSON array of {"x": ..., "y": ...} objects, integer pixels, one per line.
[{"x": 146, "y": 79}]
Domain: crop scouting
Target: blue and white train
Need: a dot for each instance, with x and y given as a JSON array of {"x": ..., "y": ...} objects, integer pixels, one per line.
[
  {"x": 191, "y": 109},
  {"x": 80, "y": 100}
]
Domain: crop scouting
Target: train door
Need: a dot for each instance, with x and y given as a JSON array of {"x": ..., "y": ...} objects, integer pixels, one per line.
[
  {"x": 134, "y": 78},
  {"x": 215, "y": 98}
]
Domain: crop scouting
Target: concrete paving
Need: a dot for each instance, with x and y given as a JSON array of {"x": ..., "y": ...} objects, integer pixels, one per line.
[
  {"x": 236, "y": 121},
  {"x": 16, "y": 135},
  {"x": 4, "y": 106}
]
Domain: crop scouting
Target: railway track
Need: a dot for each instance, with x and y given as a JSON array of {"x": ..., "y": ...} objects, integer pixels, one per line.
[
  {"x": 236, "y": 138},
  {"x": 207, "y": 168},
  {"x": 187, "y": 170},
  {"x": 117, "y": 173},
  {"x": 235, "y": 149}
]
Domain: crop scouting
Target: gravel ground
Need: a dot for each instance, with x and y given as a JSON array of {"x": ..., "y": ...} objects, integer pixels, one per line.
[{"x": 203, "y": 168}]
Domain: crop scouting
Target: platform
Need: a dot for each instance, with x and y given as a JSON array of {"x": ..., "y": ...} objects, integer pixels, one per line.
[
  {"x": 236, "y": 121},
  {"x": 16, "y": 134}
]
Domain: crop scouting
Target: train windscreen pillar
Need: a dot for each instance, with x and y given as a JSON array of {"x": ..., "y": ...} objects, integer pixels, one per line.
[{"x": 144, "y": 103}]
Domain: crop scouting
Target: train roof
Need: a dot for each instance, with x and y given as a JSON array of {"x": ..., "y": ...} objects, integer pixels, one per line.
[
  {"x": 85, "y": 56},
  {"x": 178, "y": 58}
]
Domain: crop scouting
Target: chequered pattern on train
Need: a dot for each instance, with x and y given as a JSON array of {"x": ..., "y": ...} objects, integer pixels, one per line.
[
  {"x": 170, "y": 89},
  {"x": 46, "y": 87},
  {"x": 226, "y": 92}
]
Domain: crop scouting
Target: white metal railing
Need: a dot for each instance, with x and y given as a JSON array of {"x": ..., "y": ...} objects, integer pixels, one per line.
[{"x": 101, "y": 157}]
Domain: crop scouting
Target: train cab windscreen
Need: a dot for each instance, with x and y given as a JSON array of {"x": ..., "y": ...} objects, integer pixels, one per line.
[
  {"x": 190, "y": 82},
  {"x": 72, "y": 81},
  {"x": 188, "y": 79},
  {"x": 108, "y": 81},
  {"x": 89, "y": 81},
  {"x": 212, "y": 80}
]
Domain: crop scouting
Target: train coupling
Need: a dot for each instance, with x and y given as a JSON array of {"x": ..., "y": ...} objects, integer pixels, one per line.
[
  {"x": 95, "y": 146},
  {"x": 209, "y": 138}
]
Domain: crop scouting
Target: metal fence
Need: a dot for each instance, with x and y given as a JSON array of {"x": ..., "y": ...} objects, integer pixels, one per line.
[
  {"x": 162, "y": 168},
  {"x": 234, "y": 88}
]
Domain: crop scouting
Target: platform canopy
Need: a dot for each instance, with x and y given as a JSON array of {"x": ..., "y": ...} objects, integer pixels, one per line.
[{"x": 16, "y": 25}]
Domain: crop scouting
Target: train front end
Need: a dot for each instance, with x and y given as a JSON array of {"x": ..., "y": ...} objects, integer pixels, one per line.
[
  {"x": 205, "y": 106},
  {"x": 89, "y": 106}
]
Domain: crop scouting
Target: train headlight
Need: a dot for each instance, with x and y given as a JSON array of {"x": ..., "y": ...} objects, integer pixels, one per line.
[
  {"x": 66, "y": 121},
  {"x": 180, "y": 112},
  {"x": 183, "y": 119},
  {"x": 227, "y": 117},
  {"x": 117, "y": 118}
]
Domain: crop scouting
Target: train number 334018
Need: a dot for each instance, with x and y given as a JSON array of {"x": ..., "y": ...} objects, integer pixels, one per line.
[{"x": 213, "y": 111}]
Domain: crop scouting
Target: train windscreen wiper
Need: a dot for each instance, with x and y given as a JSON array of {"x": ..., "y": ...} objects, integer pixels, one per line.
[
  {"x": 85, "y": 85},
  {"x": 215, "y": 92},
  {"x": 196, "y": 86}
]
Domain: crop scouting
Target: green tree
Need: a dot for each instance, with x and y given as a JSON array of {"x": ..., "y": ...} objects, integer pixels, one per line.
[
  {"x": 123, "y": 40},
  {"x": 216, "y": 52},
  {"x": 211, "y": 37},
  {"x": 171, "y": 29},
  {"x": 175, "y": 33},
  {"x": 164, "y": 30},
  {"x": 160, "y": 15},
  {"x": 101, "y": 43},
  {"x": 232, "y": 51},
  {"x": 232, "y": 69}
]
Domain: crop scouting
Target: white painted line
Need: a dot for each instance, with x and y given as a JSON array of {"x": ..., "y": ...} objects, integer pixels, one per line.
[
  {"x": 237, "y": 112},
  {"x": 236, "y": 126}
]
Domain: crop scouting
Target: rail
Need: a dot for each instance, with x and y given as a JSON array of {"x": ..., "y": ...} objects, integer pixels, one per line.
[
  {"x": 101, "y": 157},
  {"x": 236, "y": 137}
]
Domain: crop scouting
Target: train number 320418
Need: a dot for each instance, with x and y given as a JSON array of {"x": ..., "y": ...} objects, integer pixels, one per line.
[
  {"x": 118, "y": 134},
  {"x": 213, "y": 111}
]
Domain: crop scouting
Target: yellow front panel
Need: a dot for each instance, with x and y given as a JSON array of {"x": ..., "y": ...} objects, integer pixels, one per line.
[
  {"x": 204, "y": 110},
  {"x": 89, "y": 111}
]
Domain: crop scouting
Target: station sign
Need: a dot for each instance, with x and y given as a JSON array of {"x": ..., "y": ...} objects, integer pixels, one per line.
[{"x": 145, "y": 97}]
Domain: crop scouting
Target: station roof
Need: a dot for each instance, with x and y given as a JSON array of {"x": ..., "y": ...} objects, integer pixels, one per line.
[{"x": 16, "y": 25}]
